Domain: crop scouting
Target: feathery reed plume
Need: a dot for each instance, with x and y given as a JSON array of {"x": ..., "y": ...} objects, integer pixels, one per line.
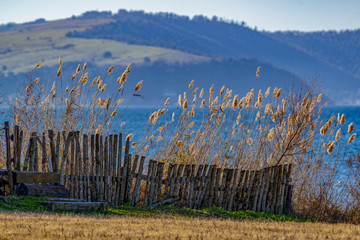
[
  {"x": 195, "y": 90},
  {"x": 331, "y": 148},
  {"x": 113, "y": 114},
  {"x": 319, "y": 98},
  {"x": 129, "y": 137},
  {"x": 350, "y": 128},
  {"x": 60, "y": 61},
  {"x": 109, "y": 71},
  {"x": 180, "y": 102},
  {"x": 37, "y": 80},
  {"x": 78, "y": 69},
  {"x": 222, "y": 90},
  {"x": 39, "y": 64},
  {"x": 59, "y": 72},
  {"x": 166, "y": 102},
  {"x": 235, "y": 102},
  {"x": 258, "y": 72},
  {"x": 194, "y": 99},
  {"x": 124, "y": 75},
  {"x": 267, "y": 91},
  {"x": 201, "y": 95},
  {"x": 352, "y": 138},
  {"x": 338, "y": 134},
  {"x": 85, "y": 66},
  {"x": 191, "y": 84},
  {"x": 138, "y": 86},
  {"x": 185, "y": 105},
  {"x": 342, "y": 119}
]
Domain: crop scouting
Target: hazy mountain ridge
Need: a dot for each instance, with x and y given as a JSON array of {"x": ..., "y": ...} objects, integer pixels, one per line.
[
  {"x": 303, "y": 56},
  {"x": 226, "y": 49}
]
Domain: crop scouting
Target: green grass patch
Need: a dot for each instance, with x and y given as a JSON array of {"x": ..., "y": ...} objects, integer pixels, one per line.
[{"x": 30, "y": 204}]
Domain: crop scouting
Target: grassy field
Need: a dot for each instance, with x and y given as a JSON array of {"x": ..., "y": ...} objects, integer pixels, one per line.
[
  {"x": 69, "y": 226},
  {"x": 24, "y": 218},
  {"x": 23, "y": 47}
]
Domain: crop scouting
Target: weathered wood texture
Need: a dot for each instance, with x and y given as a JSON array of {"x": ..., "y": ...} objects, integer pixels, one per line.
[
  {"x": 41, "y": 190},
  {"x": 96, "y": 168}
]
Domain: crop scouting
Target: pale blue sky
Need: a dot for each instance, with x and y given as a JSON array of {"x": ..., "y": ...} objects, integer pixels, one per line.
[{"x": 305, "y": 15}]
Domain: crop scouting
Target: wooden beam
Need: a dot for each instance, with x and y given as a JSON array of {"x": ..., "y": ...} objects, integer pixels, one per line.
[{"x": 36, "y": 177}]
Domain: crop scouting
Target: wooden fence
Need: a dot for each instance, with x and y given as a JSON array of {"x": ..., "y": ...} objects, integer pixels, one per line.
[{"x": 101, "y": 169}]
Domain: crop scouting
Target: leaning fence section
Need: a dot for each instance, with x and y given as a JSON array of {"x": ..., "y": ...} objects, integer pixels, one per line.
[{"x": 101, "y": 169}]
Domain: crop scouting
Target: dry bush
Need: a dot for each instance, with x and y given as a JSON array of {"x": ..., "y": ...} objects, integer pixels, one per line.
[
  {"x": 84, "y": 104},
  {"x": 261, "y": 129},
  {"x": 258, "y": 130}
]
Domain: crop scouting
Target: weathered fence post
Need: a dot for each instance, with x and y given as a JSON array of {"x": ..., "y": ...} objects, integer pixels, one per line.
[{"x": 8, "y": 156}]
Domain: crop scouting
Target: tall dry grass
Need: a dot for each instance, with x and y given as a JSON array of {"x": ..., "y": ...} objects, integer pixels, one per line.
[{"x": 214, "y": 126}]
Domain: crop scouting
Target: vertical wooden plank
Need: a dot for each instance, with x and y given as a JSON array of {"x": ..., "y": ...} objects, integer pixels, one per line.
[
  {"x": 277, "y": 185},
  {"x": 152, "y": 183},
  {"x": 57, "y": 152},
  {"x": 101, "y": 154},
  {"x": 288, "y": 190},
  {"x": 233, "y": 190},
  {"x": 262, "y": 187},
  {"x": 270, "y": 189},
  {"x": 52, "y": 149},
  {"x": 106, "y": 170},
  {"x": 250, "y": 188},
  {"x": 132, "y": 175},
  {"x": 17, "y": 148},
  {"x": 8, "y": 157},
  {"x": 35, "y": 154},
  {"x": 265, "y": 199},
  {"x": 222, "y": 187},
  {"x": 160, "y": 173},
  {"x": 227, "y": 190},
  {"x": 136, "y": 194},
  {"x": 123, "y": 179},
  {"x": 72, "y": 167},
  {"x": 86, "y": 167},
  {"x": 21, "y": 141},
  {"x": 113, "y": 168},
  {"x": 206, "y": 187},
  {"x": 242, "y": 186},
  {"x": 64, "y": 158},
  {"x": 177, "y": 180},
  {"x": 92, "y": 172},
  {"x": 217, "y": 186},
  {"x": 256, "y": 189},
  {"x": 282, "y": 191},
  {"x": 109, "y": 169},
  {"x": 172, "y": 180},
  {"x": 78, "y": 168},
  {"x": 148, "y": 179},
  {"x": 193, "y": 185},
  {"x": 43, "y": 155},
  {"x": 128, "y": 178},
  {"x": 97, "y": 166},
  {"x": 168, "y": 180},
  {"x": 187, "y": 176},
  {"x": 202, "y": 187},
  {"x": 32, "y": 152},
  {"x": 118, "y": 174},
  {"x": 182, "y": 184},
  {"x": 273, "y": 189},
  {"x": 211, "y": 187},
  {"x": 26, "y": 165}
]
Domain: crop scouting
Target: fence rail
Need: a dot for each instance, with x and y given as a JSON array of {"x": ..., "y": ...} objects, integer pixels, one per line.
[{"x": 100, "y": 169}]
